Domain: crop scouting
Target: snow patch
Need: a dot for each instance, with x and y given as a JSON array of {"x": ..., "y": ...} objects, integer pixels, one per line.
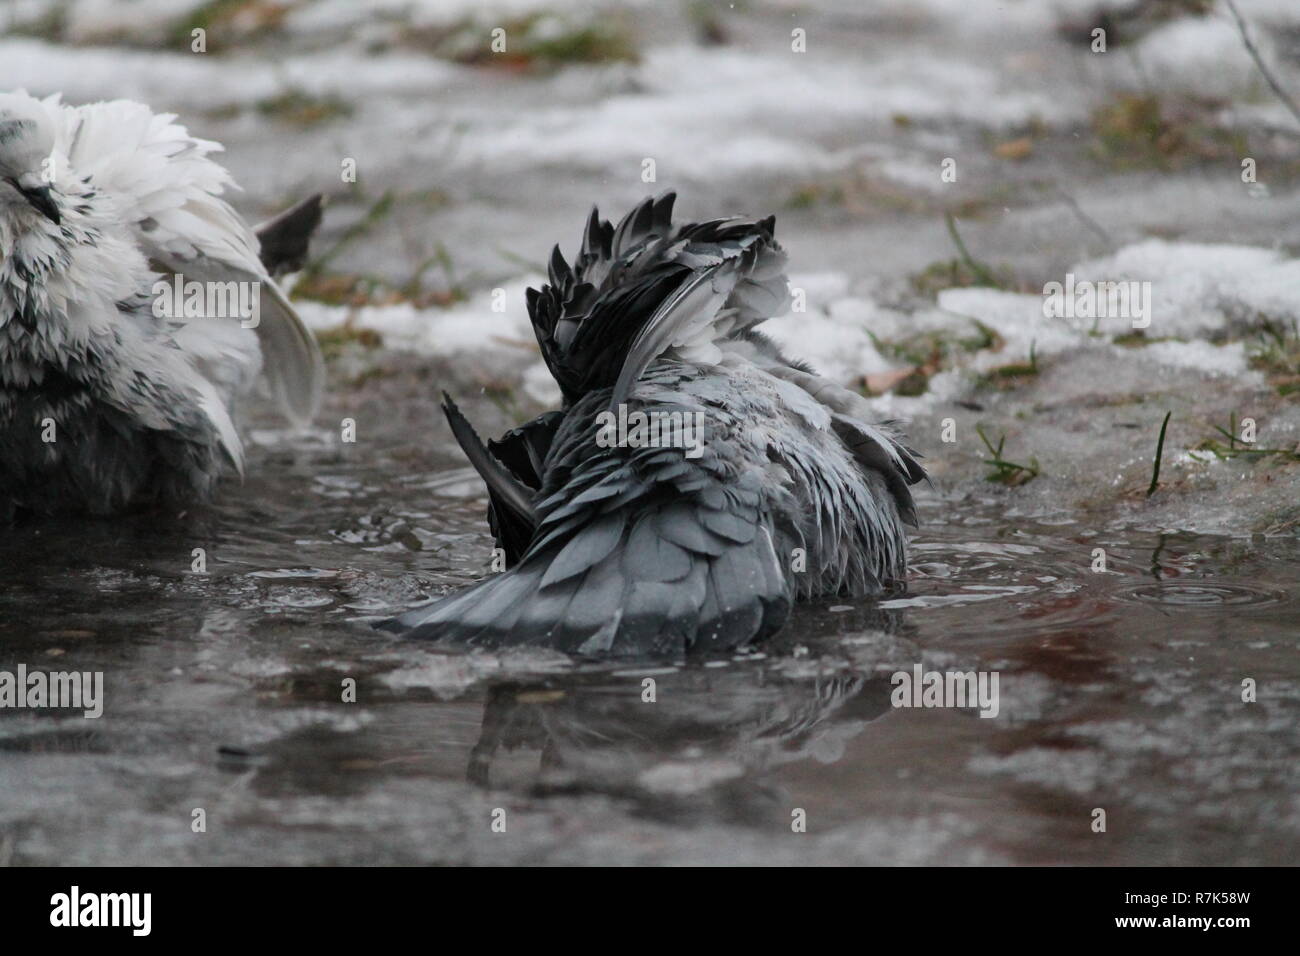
[{"x": 1203, "y": 56}]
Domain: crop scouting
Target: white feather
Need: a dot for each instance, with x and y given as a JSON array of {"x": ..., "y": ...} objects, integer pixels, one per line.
[{"x": 169, "y": 191}]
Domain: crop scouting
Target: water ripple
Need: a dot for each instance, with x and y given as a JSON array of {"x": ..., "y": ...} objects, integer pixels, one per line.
[{"x": 1193, "y": 596}]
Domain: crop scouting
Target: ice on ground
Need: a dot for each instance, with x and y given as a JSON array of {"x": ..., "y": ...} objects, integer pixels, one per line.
[
  {"x": 1197, "y": 292},
  {"x": 1276, "y": 13},
  {"x": 1203, "y": 57},
  {"x": 94, "y": 21},
  {"x": 493, "y": 320},
  {"x": 961, "y": 15},
  {"x": 194, "y": 83},
  {"x": 770, "y": 111},
  {"x": 819, "y": 288},
  {"x": 1200, "y": 294},
  {"x": 1017, "y": 318},
  {"x": 1200, "y": 289},
  {"x": 755, "y": 101},
  {"x": 1229, "y": 359},
  {"x": 840, "y": 350},
  {"x": 348, "y": 14}
]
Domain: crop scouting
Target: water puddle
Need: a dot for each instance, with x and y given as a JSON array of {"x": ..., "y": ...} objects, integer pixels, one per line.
[{"x": 226, "y": 690}]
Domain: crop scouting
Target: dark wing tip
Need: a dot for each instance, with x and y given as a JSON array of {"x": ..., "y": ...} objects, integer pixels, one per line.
[
  {"x": 391, "y": 625},
  {"x": 285, "y": 239},
  {"x": 558, "y": 270}
]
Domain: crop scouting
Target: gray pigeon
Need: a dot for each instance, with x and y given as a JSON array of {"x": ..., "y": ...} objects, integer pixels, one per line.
[
  {"x": 108, "y": 399},
  {"x": 643, "y": 547}
]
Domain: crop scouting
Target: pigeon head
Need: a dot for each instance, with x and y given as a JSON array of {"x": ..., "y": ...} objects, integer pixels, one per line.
[{"x": 26, "y": 147}]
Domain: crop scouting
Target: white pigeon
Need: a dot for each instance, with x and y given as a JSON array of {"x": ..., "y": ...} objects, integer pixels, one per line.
[{"x": 107, "y": 401}]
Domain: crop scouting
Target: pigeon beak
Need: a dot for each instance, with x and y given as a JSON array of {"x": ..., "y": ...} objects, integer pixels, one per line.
[{"x": 42, "y": 200}]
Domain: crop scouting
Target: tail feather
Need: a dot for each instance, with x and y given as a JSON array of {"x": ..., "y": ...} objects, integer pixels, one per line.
[
  {"x": 524, "y": 449},
  {"x": 642, "y": 287},
  {"x": 647, "y": 558},
  {"x": 512, "y": 500}
]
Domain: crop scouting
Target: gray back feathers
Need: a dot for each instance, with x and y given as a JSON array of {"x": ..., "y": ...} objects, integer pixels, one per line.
[{"x": 638, "y": 549}]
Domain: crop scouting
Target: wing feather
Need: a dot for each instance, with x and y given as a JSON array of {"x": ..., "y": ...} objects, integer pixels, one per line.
[{"x": 170, "y": 190}]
